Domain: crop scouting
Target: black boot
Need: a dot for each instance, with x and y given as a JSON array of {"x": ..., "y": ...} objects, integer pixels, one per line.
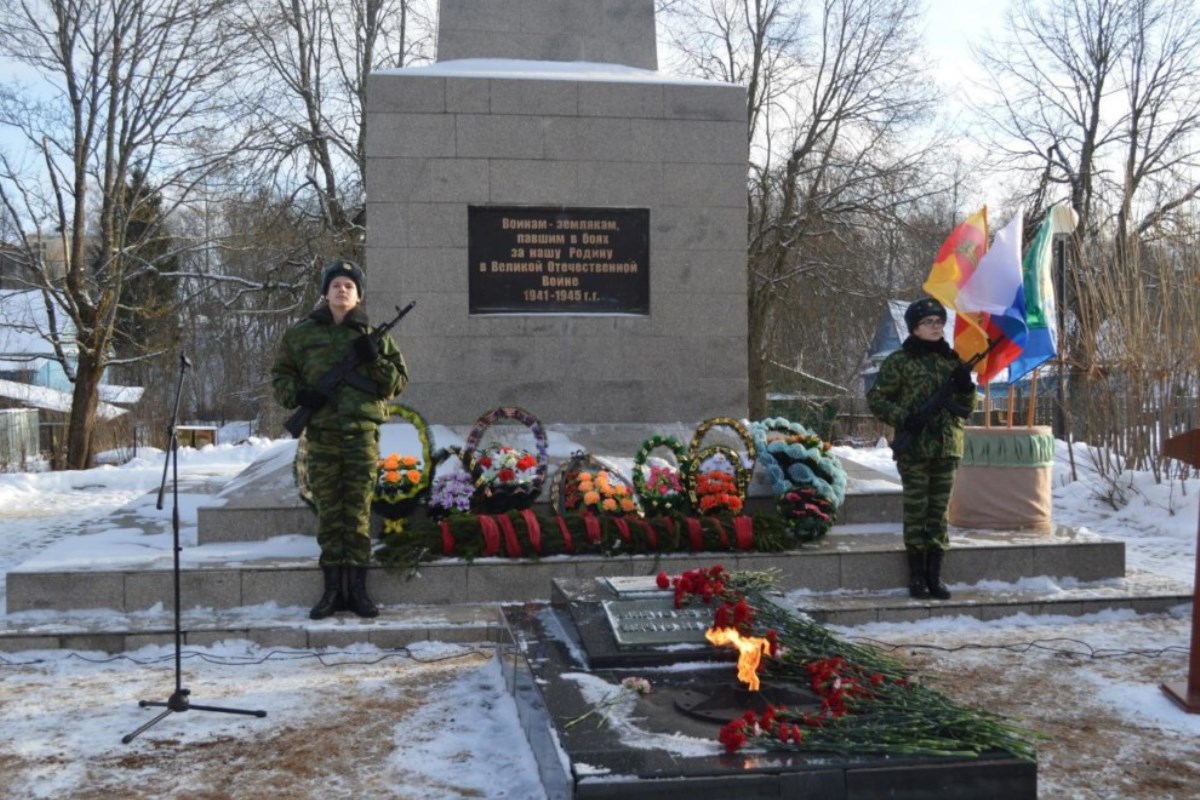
[
  {"x": 331, "y": 600},
  {"x": 360, "y": 602},
  {"x": 933, "y": 574},
  {"x": 916, "y": 574}
]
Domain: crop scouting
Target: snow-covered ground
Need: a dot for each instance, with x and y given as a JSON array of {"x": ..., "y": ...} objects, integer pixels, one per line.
[{"x": 450, "y": 729}]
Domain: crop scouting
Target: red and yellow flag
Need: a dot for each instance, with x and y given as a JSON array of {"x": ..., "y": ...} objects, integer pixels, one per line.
[{"x": 955, "y": 264}]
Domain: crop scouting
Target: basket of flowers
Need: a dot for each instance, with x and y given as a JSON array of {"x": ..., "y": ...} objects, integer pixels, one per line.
[
  {"x": 807, "y": 480},
  {"x": 403, "y": 479},
  {"x": 452, "y": 488},
  {"x": 659, "y": 483},
  {"x": 717, "y": 476},
  {"x": 506, "y": 478},
  {"x": 584, "y": 485}
]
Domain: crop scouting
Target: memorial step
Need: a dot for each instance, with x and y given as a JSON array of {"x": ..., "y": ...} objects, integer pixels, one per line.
[
  {"x": 276, "y": 626},
  {"x": 853, "y": 559},
  {"x": 1141, "y": 593}
]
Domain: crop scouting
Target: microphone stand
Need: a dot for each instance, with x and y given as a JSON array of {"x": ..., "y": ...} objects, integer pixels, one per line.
[{"x": 179, "y": 700}]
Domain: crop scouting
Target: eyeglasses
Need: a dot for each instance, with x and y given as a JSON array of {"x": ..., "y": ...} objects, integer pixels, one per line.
[{"x": 933, "y": 322}]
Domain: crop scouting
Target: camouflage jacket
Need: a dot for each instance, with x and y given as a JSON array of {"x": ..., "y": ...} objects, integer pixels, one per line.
[
  {"x": 909, "y": 377},
  {"x": 317, "y": 345}
]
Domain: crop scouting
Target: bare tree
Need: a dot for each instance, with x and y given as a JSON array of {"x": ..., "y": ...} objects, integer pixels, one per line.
[
  {"x": 130, "y": 90},
  {"x": 1102, "y": 99},
  {"x": 1099, "y": 101},
  {"x": 313, "y": 58},
  {"x": 834, "y": 88}
]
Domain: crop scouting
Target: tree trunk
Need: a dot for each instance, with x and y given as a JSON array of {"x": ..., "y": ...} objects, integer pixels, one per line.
[{"x": 83, "y": 412}]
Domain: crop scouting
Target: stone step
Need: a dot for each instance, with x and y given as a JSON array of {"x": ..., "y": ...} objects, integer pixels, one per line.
[
  {"x": 849, "y": 559},
  {"x": 1141, "y": 593},
  {"x": 400, "y": 625},
  {"x": 287, "y": 626}
]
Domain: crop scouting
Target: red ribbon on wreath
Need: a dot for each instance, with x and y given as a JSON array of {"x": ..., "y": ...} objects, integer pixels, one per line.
[
  {"x": 695, "y": 534},
  {"x": 491, "y": 535},
  {"x": 651, "y": 536},
  {"x": 568, "y": 546},
  {"x": 743, "y": 530},
  {"x": 447, "y": 538},
  {"x": 593, "y": 528},
  {"x": 534, "y": 529},
  {"x": 510, "y": 536},
  {"x": 623, "y": 529}
]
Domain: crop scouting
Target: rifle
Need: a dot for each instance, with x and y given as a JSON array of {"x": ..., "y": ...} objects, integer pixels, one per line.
[
  {"x": 341, "y": 373},
  {"x": 943, "y": 397}
]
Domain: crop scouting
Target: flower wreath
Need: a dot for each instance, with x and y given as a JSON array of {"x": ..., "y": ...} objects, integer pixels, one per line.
[
  {"x": 660, "y": 487},
  {"x": 715, "y": 490},
  {"x": 505, "y": 478},
  {"x": 716, "y": 483},
  {"x": 452, "y": 489},
  {"x": 585, "y": 485},
  {"x": 808, "y": 481},
  {"x": 405, "y": 478}
]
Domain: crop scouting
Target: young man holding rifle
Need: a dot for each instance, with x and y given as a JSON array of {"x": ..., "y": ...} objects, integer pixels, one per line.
[
  {"x": 343, "y": 430},
  {"x": 925, "y": 392}
]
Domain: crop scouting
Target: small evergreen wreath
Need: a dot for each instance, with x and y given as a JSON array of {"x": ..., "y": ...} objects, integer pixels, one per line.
[
  {"x": 403, "y": 480},
  {"x": 661, "y": 489},
  {"x": 408, "y": 490}
]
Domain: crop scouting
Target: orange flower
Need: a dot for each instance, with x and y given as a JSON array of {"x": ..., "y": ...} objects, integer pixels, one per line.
[
  {"x": 414, "y": 475},
  {"x": 591, "y": 498},
  {"x": 392, "y": 462},
  {"x": 409, "y": 461},
  {"x": 391, "y": 476}
]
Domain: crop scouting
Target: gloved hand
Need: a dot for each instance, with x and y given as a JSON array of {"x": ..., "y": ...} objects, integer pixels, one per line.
[
  {"x": 307, "y": 398},
  {"x": 366, "y": 349},
  {"x": 916, "y": 422},
  {"x": 961, "y": 378}
]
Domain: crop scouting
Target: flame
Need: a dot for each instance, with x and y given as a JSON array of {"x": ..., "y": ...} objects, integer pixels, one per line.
[{"x": 750, "y": 652}]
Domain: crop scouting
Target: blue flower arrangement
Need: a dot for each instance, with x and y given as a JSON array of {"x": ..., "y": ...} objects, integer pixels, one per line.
[{"x": 807, "y": 480}]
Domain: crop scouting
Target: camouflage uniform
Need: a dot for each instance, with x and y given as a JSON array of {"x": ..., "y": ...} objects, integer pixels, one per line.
[
  {"x": 907, "y": 378},
  {"x": 343, "y": 436}
]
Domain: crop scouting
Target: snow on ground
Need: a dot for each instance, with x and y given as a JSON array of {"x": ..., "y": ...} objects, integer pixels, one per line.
[{"x": 435, "y": 721}]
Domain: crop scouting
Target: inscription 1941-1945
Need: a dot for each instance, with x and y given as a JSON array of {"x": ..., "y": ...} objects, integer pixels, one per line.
[{"x": 532, "y": 260}]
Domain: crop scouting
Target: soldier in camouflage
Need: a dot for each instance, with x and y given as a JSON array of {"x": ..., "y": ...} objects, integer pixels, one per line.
[
  {"x": 907, "y": 379},
  {"x": 343, "y": 435}
]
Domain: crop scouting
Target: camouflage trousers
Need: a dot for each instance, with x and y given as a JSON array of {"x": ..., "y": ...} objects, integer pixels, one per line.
[
  {"x": 341, "y": 474},
  {"x": 927, "y": 484}
]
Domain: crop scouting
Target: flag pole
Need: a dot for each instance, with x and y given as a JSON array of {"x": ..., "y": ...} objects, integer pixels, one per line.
[
  {"x": 1011, "y": 406},
  {"x": 1033, "y": 376}
]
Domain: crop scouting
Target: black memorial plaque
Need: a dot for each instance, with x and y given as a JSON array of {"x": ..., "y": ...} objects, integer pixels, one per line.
[{"x": 527, "y": 260}]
